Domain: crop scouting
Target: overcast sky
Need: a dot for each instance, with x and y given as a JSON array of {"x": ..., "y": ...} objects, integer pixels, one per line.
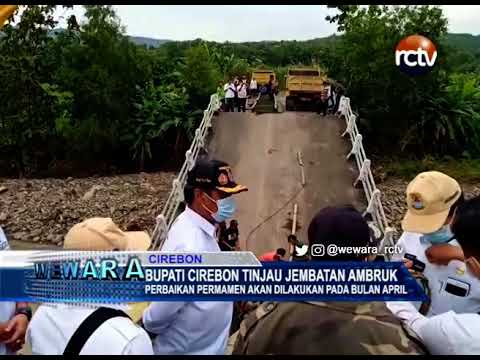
[{"x": 251, "y": 22}]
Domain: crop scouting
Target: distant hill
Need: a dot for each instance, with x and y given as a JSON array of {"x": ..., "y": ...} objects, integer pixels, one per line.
[
  {"x": 149, "y": 42},
  {"x": 467, "y": 42},
  {"x": 139, "y": 40}
]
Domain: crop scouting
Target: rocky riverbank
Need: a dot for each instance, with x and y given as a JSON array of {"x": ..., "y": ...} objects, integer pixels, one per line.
[
  {"x": 393, "y": 198},
  {"x": 36, "y": 213}
]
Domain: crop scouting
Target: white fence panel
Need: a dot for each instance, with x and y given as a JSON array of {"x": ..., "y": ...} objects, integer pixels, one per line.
[{"x": 372, "y": 194}]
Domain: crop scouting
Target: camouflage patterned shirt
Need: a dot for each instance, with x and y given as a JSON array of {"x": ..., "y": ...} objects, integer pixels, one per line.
[{"x": 315, "y": 328}]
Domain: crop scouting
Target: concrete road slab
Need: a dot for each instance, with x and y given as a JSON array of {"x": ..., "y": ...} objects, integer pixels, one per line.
[{"x": 262, "y": 150}]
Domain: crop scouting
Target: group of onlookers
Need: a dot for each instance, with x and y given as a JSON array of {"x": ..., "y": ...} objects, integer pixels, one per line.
[{"x": 236, "y": 94}]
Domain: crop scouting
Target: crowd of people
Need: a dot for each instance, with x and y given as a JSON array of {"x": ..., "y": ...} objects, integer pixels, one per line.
[
  {"x": 235, "y": 94},
  {"x": 236, "y": 91},
  {"x": 440, "y": 233}
]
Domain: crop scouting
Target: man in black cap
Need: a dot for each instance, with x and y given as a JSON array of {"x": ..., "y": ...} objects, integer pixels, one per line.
[
  {"x": 194, "y": 328},
  {"x": 317, "y": 328}
]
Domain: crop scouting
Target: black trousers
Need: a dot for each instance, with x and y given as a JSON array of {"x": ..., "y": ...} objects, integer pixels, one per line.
[
  {"x": 322, "y": 107},
  {"x": 242, "y": 103},
  {"x": 229, "y": 104}
]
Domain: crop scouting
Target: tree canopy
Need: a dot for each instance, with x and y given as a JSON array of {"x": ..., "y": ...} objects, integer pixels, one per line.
[{"x": 86, "y": 98}]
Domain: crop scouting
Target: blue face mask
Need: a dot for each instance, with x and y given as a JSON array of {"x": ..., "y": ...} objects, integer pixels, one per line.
[
  {"x": 226, "y": 209},
  {"x": 441, "y": 236}
]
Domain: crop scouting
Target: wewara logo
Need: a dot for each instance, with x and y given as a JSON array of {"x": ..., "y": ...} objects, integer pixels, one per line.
[{"x": 415, "y": 55}]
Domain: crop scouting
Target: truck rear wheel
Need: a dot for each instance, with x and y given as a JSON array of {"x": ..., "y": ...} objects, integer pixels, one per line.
[{"x": 290, "y": 104}]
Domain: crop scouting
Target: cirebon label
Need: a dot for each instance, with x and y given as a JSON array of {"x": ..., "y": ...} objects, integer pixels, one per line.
[{"x": 415, "y": 55}]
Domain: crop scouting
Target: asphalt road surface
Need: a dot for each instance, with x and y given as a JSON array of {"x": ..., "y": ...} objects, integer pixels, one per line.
[{"x": 262, "y": 150}]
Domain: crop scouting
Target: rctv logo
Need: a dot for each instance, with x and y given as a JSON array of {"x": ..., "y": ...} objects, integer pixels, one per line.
[{"x": 415, "y": 55}]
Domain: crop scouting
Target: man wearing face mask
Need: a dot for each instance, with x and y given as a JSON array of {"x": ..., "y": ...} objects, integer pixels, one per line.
[
  {"x": 452, "y": 333},
  {"x": 196, "y": 328},
  {"x": 432, "y": 199}
]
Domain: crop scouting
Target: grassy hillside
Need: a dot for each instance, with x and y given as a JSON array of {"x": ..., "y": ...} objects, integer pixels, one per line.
[{"x": 467, "y": 42}]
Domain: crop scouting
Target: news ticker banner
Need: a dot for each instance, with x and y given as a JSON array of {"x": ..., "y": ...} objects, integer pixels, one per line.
[{"x": 119, "y": 277}]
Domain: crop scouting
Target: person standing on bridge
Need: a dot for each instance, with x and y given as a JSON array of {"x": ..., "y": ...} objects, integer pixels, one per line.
[
  {"x": 230, "y": 91},
  {"x": 323, "y": 101},
  {"x": 242, "y": 95},
  {"x": 318, "y": 328},
  {"x": 196, "y": 328}
]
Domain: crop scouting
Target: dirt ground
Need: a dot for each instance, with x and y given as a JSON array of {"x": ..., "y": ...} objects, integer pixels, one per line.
[{"x": 262, "y": 150}]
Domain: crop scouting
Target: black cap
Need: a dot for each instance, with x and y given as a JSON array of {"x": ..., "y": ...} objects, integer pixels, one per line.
[
  {"x": 342, "y": 226},
  {"x": 214, "y": 174}
]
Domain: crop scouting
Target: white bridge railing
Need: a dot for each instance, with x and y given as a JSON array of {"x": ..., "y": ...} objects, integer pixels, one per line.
[
  {"x": 165, "y": 219},
  {"x": 373, "y": 195}
]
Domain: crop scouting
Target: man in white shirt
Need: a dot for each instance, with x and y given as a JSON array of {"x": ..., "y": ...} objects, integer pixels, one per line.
[
  {"x": 196, "y": 328},
  {"x": 14, "y": 317},
  {"x": 57, "y": 329},
  {"x": 230, "y": 91},
  {"x": 452, "y": 333},
  {"x": 432, "y": 198}
]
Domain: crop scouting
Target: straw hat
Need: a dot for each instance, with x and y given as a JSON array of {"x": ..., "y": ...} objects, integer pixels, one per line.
[{"x": 102, "y": 234}]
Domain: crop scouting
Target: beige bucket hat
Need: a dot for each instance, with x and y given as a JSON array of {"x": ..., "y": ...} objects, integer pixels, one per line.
[{"x": 102, "y": 234}]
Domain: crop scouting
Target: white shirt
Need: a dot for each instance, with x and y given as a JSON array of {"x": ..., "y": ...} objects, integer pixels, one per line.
[
  {"x": 230, "y": 90},
  {"x": 7, "y": 308},
  {"x": 253, "y": 84},
  {"x": 329, "y": 90},
  {"x": 445, "y": 334},
  {"x": 242, "y": 90},
  {"x": 3, "y": 241},
  {"x": 442, "y": 277},
  {"x": 190, "y": 328},
  {"x": 53, "y": 325}
]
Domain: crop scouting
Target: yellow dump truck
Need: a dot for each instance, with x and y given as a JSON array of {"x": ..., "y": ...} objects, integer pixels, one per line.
[
  {"x": 5, "y": 12},
  {"x": 303, "y": 85}
]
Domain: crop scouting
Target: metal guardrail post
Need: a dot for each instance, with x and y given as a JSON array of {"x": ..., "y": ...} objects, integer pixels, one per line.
[
  {"x": 363, "y": 172},
  {"x": 350, "y": 124},
  {"x": 356, "y": 146},
  {"x": 371, "y": 204}
]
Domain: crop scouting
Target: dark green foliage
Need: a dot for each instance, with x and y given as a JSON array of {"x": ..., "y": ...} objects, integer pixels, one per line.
[
  {"x": 437, "y": 113},
  {"x": 82, "y": 99},
  {"x": 87, "y": 97}
]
